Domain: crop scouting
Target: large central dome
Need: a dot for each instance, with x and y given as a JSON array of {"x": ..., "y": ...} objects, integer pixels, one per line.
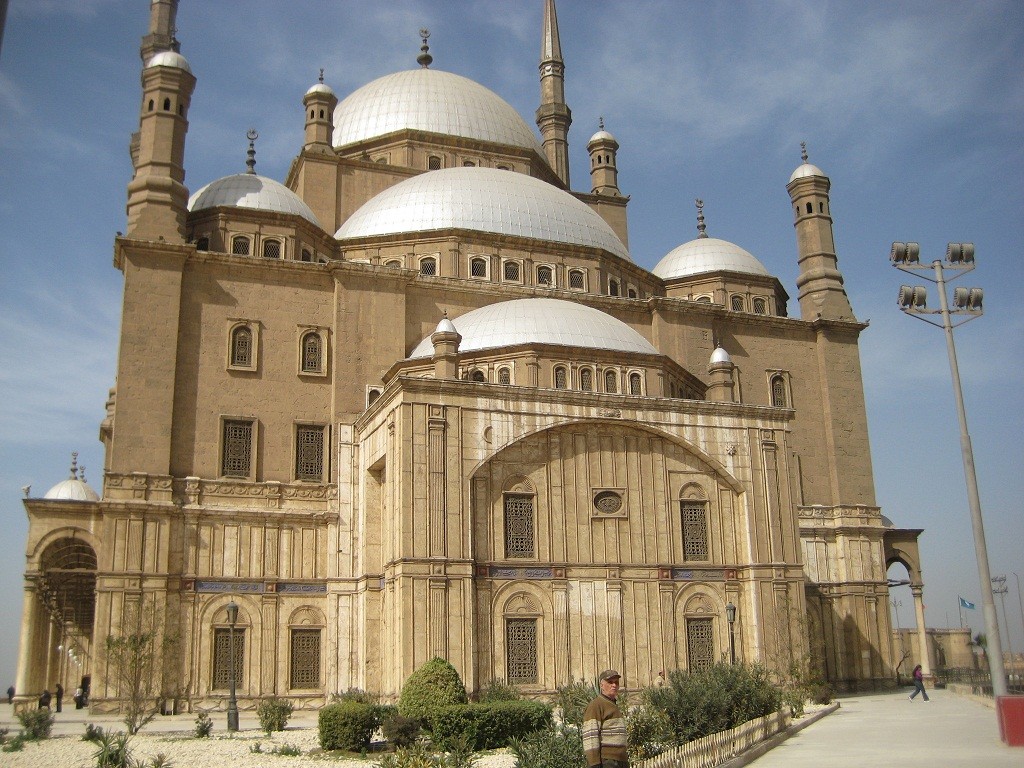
[
  {"x": 484, "y": 200},
  {"x": 434, "y": 101}
]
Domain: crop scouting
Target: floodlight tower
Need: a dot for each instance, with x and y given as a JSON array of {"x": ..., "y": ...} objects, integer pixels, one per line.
[{"x": 967, "y": 303}]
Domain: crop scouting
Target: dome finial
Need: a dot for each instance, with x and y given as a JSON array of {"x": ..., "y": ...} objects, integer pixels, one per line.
[
  {"x": 74, "y": 466},
  {"x": 250, "y": 160},
  {"x": 600, "y": 123},
  {"x": 803, "y": 151},
  {"x": 321, "y": 74},
  {"x": 81, "y": 473},
  {"x": 701, "y": 226},
  {"x": 424, "y": 59}
]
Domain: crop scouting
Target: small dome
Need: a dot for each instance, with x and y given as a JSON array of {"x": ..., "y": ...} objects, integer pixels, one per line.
[
  {"x": 247, "y": 190},
  {"x": 72, "y": 490},
  {"x": 720, "y": 356},
  {"x": 601, "y": 135},
  {"x": 445, "y": 326},
  {"x": 542, "y": 321},
  {"x": 169, "y": 59},
  {"x": 482, "y": 200},
  {"x": 805, "y": 170},
  {"x": 320, "y": 88},
  {"x": 707, "y": 254},
  {"x": 430, "y": 100}
]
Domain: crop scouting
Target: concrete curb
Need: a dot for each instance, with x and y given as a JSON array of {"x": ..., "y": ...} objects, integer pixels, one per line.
[{"x": 773, "y": 741}]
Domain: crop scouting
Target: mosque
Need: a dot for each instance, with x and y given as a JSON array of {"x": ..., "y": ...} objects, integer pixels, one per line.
[{"x": 418, "y": 399}]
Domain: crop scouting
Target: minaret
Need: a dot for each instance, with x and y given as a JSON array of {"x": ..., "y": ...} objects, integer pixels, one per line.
[
  {"x": 604, "y": 174},
  {"x": 446, "y": 342},
  {"x": 162, "y": 14},
  {"x": 157, "y": 197},
  {"x": 553, "y": 116},
  {"x": 320, "y": 102},
  {"x": 820, "y": 282}
]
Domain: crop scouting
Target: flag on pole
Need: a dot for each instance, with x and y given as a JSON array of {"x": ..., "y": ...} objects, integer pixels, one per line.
[{"x": 966, "y": 604}]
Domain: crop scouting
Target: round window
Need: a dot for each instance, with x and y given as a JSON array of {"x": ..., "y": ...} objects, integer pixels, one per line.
[{"x": 608, "y": 502}]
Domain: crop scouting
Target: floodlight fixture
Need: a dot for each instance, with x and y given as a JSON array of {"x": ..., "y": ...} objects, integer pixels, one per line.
[
  {"x": 912, "y": 297},
  {"x": 905, "y": 253},
  {"x": 960, "y": 253}
]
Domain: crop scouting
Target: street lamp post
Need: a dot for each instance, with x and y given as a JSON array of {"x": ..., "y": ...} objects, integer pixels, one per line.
[
  {"x": 232, "y": 609},
  {"x": 967, "y": 302},
  {"x": 999, "y": 588},
  {"x": 730, "y": 615}
]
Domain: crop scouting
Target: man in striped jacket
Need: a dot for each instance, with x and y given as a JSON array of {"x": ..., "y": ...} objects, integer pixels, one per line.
[{"x": 604, "y": 727}]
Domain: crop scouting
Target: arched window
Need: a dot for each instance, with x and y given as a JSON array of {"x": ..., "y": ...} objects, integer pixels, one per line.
[
  {"x": 613, "y": 287},
  {"x": 203, "y": 244},
  {"x": 167, "y": 105},
  {"x": 240, "y": 245},
  {"x": 611, "y": 381},
  {"x": 760, "y": 306},
  {"x": 307, "y": 255},
  {"x": 545, "y": 275},
  {"x": 468, "y": 164},
  {"x": 312, "y": 353},
  {"x": 561, "y": 378},
  {"x": 372, "y": 395},
  {"x": 810, "y": 208},
  {"x": 272, "y": 249},
  {"x": 703, "y": 299},
  {"x": 504, "y": 168},
  {"x": 151, "y": 105},
  {"x": 393, "y": 264},
  {"x": 631, "y": 293},
  {"x": 242, "y": 347},
  {"x": 586, "y": 380},
  {"x": 504, "y": 375},
  {"x": 478, "y": 376},
  {"x": 433, "y": 163},
  {"x": 778, "y": 385},
  {"x": 511, "y": 271},
  {"x": 736, "y": 302},
  {"x": 478, "y": 267},
  {"x": 577, "y": 279},
  {"x": 635, "y": 384},
  {"x": 428, "y": 266}
]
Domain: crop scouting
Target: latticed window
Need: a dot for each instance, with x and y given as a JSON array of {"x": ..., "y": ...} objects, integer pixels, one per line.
[
  {"x": 511, "y": 270},
  {"x": 545, "y": 276},
  {"x": 695, "y": 530},
  {"x": 561, "y": 379},
  {"x": 428, "y": 267},
  {"x": 635, "y": 384},
  {"x": 237, "y": 458},
  {"x": 478, "y": 268},
  {"x": 504, "y": 376},
  {"x": 433, "y": 163},
  {"x": 241, "y": 346},
  {"x": 577, "y": 280},
  {"x": 700, "y": 644},
  {"x": 309, "y": 453},
  {"x": 778, "y": 391},
  {"x": 272, "y": 249},
  {"x": 518, "y": 525},
  {"x": 521, "y": 649},
  {"x": 611, "y": 381},
  {"x": 736, "y": 302},
  {"x": 240, "y": 245},
  {"x": 305, "y": 661},
  {"x": 222, "y": 653},
  {"x": 613, "y": 287},
  {"x": 760, "y": 306},
  {"x": 312, "y": 353},
  {"x": 586, "y": 380}
]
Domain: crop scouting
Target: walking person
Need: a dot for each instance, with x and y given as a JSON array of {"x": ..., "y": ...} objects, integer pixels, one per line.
[
  {"x": 604, "y": 727},
  {"x": 919, "y": 684}
]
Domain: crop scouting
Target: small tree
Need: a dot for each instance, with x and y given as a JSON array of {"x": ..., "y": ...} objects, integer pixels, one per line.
[
  {"x": 434, "y": 685},
  {"x": 133, "y": 664}
]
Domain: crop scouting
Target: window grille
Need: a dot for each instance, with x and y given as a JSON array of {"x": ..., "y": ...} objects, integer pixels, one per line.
[
  {"x": 736, "y": 302},
  {"x": 518, "y": 525},
  {"x": 222, "y": 657},
  {"x": 433, "y": 163},
  {"x": 778, "y": 392},
  {"x": 760, "y": 306},
  {"x": 428, "y": 267},
  {"x": 478, "y": 268},
  {"x": 511, "y": 270},
  {"x": 635, "y": 384},
  {"x": 561, "y": 381},
  {"x": 312, "y": 353},
  {"x": 613, "y": 287},
  {"x": 521, "y": 650},
  {"x": 576, "y": 280},
  {"x": 586, "y": 380},
  {"x": 504, "y": 376},
  {"x": 305, "y": 661},
  {"x": 695, "y": 530},
  {"x": 545, "y": 276},
  {"x": 237, "y": 460},
  {"x": 240, "y": 246},
  {"x": 468, "y": 164},
  {"x": 309, "y": 453},
  {"x": 241, "y": 347},
  {"x": 611, "y": 382},
  {"x": 272, "y": 249},
  {"x": 700, "y": 644}
]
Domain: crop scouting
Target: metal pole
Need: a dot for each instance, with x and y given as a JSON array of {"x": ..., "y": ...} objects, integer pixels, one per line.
[
  {"x": 1001, "y": 590},
  {"x": 232, "y": 701},
  {"x": 995, "y": 655},
  {"x": 1020, "y": 604}
]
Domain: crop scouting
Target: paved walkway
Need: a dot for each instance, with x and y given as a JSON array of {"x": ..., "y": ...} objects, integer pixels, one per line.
[{"x": 879, "y": 730}]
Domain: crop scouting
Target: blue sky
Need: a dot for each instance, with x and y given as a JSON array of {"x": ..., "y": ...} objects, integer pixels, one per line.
[{"x": 914, "y": 110}]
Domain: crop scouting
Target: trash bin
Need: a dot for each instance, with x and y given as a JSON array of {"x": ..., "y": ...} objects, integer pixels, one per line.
[{"x": 1010, "y": 711}]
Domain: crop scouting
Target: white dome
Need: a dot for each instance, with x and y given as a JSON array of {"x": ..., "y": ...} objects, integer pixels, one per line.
[
  {"x": 320, "y": 88},
  {"x": 169, "y": 59},
  {"x": 720, "y": 356},
  {"x": 434, "y": 101},
  {"x": 601, "y": 135},
  {"x": 805, "y": 170},
  {"x": 542, "y": 321},
  {"x": 707, "y": 254},
  {"x": 72, "y": 489},
  {"x": 483, "y": 200},
  {"x": 445, "y": 326},
  {"x": 247, "y": 190}
]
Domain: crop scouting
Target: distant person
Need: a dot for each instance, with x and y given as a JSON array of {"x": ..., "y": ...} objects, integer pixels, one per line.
[
  {"x": 79, "y": 697},
  {"x": 59, "y": 689},
  {"x": 44, "y": 699},
  {"x": 659, "y": 681},
  {"x": 10, "y": 695},
  {"x": 604, "y": 727},
  {"x": 919, "y": 684}
]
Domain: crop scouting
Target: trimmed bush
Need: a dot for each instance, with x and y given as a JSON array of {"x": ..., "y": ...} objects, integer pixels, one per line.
[
  {"x": 434, "y": 685},
  {"x": 273, "y": 714},
  {"x": 488, "y": 726},
  {"x": 346, "y": 725}
]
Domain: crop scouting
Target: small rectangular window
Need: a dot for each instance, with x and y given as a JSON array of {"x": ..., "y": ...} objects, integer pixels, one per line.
[
  {"x": 309, "y": 453},
  {"x": 512, "y": 272},
  {"x": 272, "y": 249},
  {"x": 240, "y": 246},
  {"x": 695, "y": 530},
  {"x": 236, "y": 459},
  {"x": 518, "y": 525},
  {"x": 577, "y": 280}
]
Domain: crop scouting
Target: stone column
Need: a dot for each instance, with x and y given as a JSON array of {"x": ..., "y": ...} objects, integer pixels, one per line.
[
  {"x": 24, "y": 680},
  {"x": 922, "y": 638},
  {"x": 560, "y": 601}
]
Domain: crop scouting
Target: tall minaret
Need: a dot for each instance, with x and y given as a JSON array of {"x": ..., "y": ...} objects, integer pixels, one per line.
[
  {"x": 157, "y": 197},
  {"x": 820, "y": 282},
  {"x": 553, "y": 116}
]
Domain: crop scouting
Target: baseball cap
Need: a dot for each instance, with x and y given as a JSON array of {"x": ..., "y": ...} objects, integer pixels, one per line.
[{"x": 609, "y": 674}]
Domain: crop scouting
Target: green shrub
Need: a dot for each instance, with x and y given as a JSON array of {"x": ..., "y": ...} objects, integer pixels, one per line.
[
  {"x": 93, "y": 733},
  {"x": 434, "y": 685},
  {"x": 346, "y": 725},
  {"x": 821, "y": 693},
  {"x": 572, "y": 700},
  {"x": 498, "y": 690},
  {"x": 273, "y": 714},
  {"x": 287, "y": 750},
  {"x": 487, "y": 726},
  {"x": 36, "y": 723},
  {"x": 415, "y": 756},
  {"x": 204, "y": 725},
  {"x": 14, "y": 744},
  {"x": 459, "y": 753},
  {"x": 648, "y": 733},
  {"x": 357, "y": 695},
  {"x": 552, "y": 747},
  {"x": 113, "y": 751},
  {"x": 400, "y": 731}
]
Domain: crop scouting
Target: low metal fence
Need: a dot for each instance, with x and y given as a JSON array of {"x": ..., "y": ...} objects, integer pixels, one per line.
[{"x": 713, "y": 750}]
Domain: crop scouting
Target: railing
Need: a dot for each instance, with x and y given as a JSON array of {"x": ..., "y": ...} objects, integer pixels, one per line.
[
  {"x": 980, "y": 680},
  {"x": 709, "y": 751}
]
